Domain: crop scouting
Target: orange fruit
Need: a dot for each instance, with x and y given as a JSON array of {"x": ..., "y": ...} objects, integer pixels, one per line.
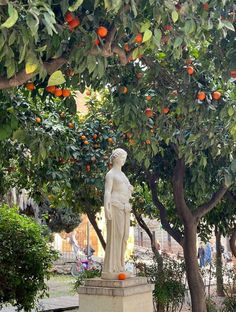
[
  {"x": 205, "y": 6},
  {"x": 132, "y": 141},
  {"x": 148, "y": 142},
  {"x": 74, "y": 23},
  {"x": 123, "y": 90},
  {"x": 65, "y": 92},
  {"x": 88, "y": 93},
  {"x": 86, "y": 142},
  {"x": 110, "y": 140},
  {"x": 216, "y": 95},
  {"x": 38, "y": 119},
  {"x": 58, "y": 92},
  {"x": 168, "y": 27},
  {"x": 201, "y": 95},
  {"x": 51, "y": 89},
  {"x": 165, "y": 110},
  {"x": 149, "y": 112},
  {"x": 126, "y": 47},
  {"x": 83, "y": 137},
  {"x": 97, "y": 42},
  {"x": 148, "y": 97},
  {"x": 69, "y": 17},
  {"x": 30, "y": 86},
  {"x": 138, "y": 38},
  {"x": 122, "y": 276},
  {"x": 102, "y": 31},
  {"x": 88, "y": 168},
  {"x": 71, "y": 125},
  {"x": 190, "y": 70},
  {"x": 233, "y": 73},
  {"x": 95, "y": 136}
]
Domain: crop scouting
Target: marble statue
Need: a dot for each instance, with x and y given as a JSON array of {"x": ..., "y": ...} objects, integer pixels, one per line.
[{"x": 118, "y": 191}]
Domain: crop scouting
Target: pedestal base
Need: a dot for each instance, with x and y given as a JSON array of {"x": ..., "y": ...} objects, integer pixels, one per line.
[
  {"x": 114, "y": 276},
  {"x": 131, "y": 295}
]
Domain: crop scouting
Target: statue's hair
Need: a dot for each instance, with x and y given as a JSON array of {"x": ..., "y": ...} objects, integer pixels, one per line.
[{"x": 116, "y": 153}]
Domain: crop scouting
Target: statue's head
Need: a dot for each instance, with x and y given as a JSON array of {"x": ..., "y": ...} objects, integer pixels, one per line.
[{"x": 118, "y": 155}]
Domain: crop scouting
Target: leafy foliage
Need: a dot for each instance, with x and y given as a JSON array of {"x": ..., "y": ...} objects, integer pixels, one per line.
[{"x": 25, "y": 263}]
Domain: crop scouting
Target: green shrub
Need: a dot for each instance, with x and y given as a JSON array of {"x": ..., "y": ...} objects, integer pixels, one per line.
[
  {"x": 91, "y": 273},
  {"x": 229, "y": 304},
  {"x": 25, "y": 260},
  {"x": 167, "y": 275}
]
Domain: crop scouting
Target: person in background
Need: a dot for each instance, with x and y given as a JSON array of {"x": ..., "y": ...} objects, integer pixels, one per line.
[
  {"x": 201, "y": 255},
  {"x": 208, "y": 254}
]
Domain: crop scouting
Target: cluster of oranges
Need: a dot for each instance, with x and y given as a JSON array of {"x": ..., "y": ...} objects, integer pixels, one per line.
[
  {"x": 58, "y": 91},
  {"x": 51, "y": 89},
  {"x": 102, "y": 32},
  {"x": 72, "y": 21},
  {"x": 216, "y": 95}
]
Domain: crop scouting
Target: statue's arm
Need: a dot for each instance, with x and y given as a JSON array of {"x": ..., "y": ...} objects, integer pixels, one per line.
[{"x": 107, "y": 196}]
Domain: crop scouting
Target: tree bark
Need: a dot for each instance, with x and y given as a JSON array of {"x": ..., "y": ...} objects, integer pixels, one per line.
[
  {"x": 195, "y": 281},
  {"x": 219, "y": 273},
  {"x": 232, "y": 242},
  {"x": 92, "y": 219},
  {"x": 144, "y": 226}
]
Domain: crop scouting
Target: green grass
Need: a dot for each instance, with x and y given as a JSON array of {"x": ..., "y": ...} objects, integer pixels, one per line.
[{"x": 61, "y": 285}]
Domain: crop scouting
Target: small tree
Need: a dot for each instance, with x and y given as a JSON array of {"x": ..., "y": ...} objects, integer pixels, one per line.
[{"x": 25, "y": 260}]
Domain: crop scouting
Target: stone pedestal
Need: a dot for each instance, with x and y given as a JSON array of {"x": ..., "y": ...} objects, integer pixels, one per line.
[{"x": 131, "y": 295}]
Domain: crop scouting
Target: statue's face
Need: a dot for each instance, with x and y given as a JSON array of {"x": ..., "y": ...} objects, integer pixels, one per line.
[{"x": 120, "y": 159}]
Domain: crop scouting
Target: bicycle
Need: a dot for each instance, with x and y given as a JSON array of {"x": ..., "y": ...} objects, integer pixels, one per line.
[{"x": 81, "y": 265}]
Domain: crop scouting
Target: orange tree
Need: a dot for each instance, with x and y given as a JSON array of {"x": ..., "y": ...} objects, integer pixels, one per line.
[
  {"x": 60, "y": 157},
  {"x": 178, "y": 117},
  {"x": 177, "y": 54}
]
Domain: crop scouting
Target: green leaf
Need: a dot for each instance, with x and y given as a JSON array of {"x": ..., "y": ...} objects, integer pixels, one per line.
[
  {"x": 5, "y": 132},
  {"x": 135, "y": 53},
  {"x": 76, "y": 5},
  {"x": 30, "y": 67},
  {"x": 134, "y": 9},
  {"x": 33, "y": 23},
  {"x": 12, "y": 38},
  {"x": 178, "y": 42},
  {"x": 13, "y": 17},
  {"x": 91, "y": 63},
  {"x": 146, "y": 25},
  {"x": 174, "y": 16},
  {"x": 230, "y": 111},
  {"x": 228, "y": 179},
  {"x": 19, "y": 135},
  {"x": 147, "y": 35},
  {"x": 56, "y": 78},
  {"x": 233, "y": 166},
  {"x": 228, "y": 25},
  {"x": 157, "y": 36}
]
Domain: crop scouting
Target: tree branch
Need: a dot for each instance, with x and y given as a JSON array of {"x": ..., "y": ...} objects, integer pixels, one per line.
[
  {"x": 21, "y": 77},
  {"x": 144, "y": 226},
  {"x": 232, "y": 242},
  {"x": 176, "y": 234},
  {"x": 178, "y": 189},
  {"x": 215, "y": 199},
  {"x": 92, "y": 218}
]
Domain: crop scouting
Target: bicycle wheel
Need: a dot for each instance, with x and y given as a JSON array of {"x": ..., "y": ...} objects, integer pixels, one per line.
[
  {"x": 76, "y": 270},
  {"x": 95, "y": 265}
]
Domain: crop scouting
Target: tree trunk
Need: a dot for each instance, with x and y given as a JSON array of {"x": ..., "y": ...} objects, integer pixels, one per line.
[
  {"x": 219, "y": 273},
  {"x": 195, "y": 281},
  {"x": 92, "y": 219}
]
